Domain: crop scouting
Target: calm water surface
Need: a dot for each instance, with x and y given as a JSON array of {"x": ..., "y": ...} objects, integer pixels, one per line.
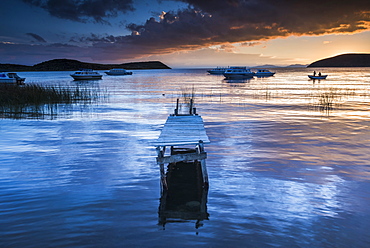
[{"x": 288, "y": 163}]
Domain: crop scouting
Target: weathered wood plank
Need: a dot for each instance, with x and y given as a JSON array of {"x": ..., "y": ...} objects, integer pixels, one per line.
[
  {"x": 181, "y": 157},
  {"x": 180, "y": 130}
]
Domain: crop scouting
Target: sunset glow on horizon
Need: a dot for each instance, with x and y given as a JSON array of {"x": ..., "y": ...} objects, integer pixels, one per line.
[{"x": 185, "y": 33}]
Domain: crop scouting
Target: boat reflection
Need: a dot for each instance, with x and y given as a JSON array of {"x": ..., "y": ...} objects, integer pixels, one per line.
[
  {"x": 237, "y": 82},
  {"x": 185, "y": 196},
  {"x": 264, "y": 76}
]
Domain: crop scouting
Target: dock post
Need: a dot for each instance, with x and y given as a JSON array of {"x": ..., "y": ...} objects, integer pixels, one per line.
[
  {"x": 203, "y": 164},
  {"x": 160, "y": 153},
  {"x": 191, "y": 107},
  {"x": 177, "y": 107},
  {"x": 204, "y": 173}
]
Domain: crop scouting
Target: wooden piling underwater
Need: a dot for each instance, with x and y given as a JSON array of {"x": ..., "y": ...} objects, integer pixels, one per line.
[{"x": 184, "y": 185}]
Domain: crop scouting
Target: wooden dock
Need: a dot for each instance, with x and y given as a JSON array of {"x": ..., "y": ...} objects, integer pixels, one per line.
[
  {"x": 182, "y": 130},
  {"x": 185, "y": 135}
]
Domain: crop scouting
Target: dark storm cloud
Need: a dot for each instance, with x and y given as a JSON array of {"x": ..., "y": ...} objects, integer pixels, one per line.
[
  {"x": 206, "y": 23},
  {"x": 37, "y": 37},
  {"x": 84, "y": 10},
  {"x": 301, "y": 17},
  {"x": 220, "y": 21}
]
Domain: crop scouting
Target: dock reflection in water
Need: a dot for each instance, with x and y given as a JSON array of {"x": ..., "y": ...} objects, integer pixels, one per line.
[{"x": 185, "y": 197}]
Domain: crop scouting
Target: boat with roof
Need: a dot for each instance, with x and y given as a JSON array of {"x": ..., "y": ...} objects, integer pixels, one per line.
[
  {"x": 238, "y": 72},
  {"x": 218, "y": 70},
  {"x": 11, "y": 78},
  {"x": 86, "y": 74},
  {"x": 118, "y": 72},
  {"x": 264, "y": 73}
]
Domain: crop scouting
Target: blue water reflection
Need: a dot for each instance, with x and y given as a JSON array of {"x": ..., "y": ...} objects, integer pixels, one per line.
[{"x": 282, "y": 171}]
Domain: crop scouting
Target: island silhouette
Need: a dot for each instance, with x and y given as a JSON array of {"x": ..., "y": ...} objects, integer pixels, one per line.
[
  {"x": 344, "y": 60},
  {"x": 73, "y": 65}
]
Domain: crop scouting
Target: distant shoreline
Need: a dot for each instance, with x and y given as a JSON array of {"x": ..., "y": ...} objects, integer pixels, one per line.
[
  {"x": 73, "y": 65},
  {"x": 344, "y": 60}
]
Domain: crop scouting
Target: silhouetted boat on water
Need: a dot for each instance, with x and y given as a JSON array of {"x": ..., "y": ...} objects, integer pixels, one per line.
[{"x": 317, "y": 77}]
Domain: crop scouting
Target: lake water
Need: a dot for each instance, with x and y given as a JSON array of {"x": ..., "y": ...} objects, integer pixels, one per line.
[{"x": 288, "y": 163}]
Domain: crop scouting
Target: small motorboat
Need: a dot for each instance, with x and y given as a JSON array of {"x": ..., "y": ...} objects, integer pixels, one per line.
[
  {"x": 118, "y": 72},
  {"x": 317, "y": 76},
  {"x": 264, "y": 73},
  {"x": 238, "y": 72},
  {"x": 218, "y": 70},
  {"x": 11, "y": 78},
  {"x": 86, "y": 74}
]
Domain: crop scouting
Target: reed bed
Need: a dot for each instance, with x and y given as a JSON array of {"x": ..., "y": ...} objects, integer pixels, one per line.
[
  {"x": 186, "y": 99},
  {"x": 327, "y": 100},
  {"x": 33, "y": 99}
]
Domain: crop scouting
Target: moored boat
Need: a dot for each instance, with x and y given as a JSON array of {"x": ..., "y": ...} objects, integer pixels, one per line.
[
  {"x": 238, "y": 72},
  {"x": 218, "y": 70},
  {"x": 317, "y": 77},
  {"x": 264, "y": 73},
  {"x": 86, "y": 74},
  {"x": 11, "y": 78},
  {"x": 118, "y": 72}
]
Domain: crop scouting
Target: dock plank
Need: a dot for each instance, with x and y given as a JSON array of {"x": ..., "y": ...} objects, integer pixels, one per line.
[{"x": 182, "y": 130}]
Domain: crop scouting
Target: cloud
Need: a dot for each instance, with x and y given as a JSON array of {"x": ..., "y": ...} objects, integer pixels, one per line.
[
  {"x": 203, "y": 24},
  {"x": 37, "y": 37},
  {"x": 207, "y": 23},
  {"x": 84, "y": 10},
  {"x": 250, "y": 44},
  {"x": 225, "y": 47}
]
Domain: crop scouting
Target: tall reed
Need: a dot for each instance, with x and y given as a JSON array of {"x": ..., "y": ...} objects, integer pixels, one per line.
[
  {"x": 187, "y": 98},
  {"x": 37, "y": 99}
]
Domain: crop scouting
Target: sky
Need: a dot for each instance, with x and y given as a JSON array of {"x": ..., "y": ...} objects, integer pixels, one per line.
[{"x": 183, "y": 33}]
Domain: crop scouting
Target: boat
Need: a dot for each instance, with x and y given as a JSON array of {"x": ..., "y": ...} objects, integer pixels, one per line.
[
  {"x": 118, "y": 71},
  {"x": 264, "y": 73},
  {"x": 86, "y": 74},
  {"x": 218, "y": 70},
  {"x": 238, "y": 72},
  {"x": 11, "y": 78},
  {"x": 317, "y": 77}
]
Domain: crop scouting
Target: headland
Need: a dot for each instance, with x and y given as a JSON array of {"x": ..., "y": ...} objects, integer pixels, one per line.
[{"x": 344, "y": 60}]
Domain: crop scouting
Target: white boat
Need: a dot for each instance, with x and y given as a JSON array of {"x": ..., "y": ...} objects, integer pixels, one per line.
[
  {"x": 238, "y": 72},
  {"x": 317, "y": 77},
  {"x": 118, "y": 71},
  {"x": 264, "y": 73},
  {"x": 86, "y": 74},
  {"x": 11, "y": 78},
  {"x": 218, "y": 70}
]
